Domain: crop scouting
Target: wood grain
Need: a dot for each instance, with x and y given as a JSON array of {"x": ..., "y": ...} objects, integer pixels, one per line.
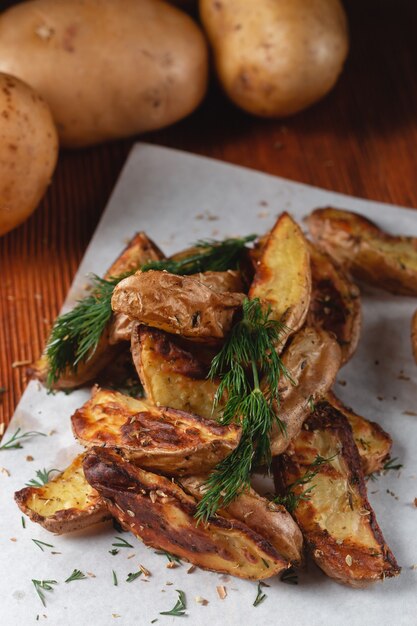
[{"x": 360, "y": 140}]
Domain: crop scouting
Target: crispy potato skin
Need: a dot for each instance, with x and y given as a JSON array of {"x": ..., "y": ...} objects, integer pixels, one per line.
[
  {"x": 171, "y": 375},
  {"x": 180, "y": 305},
  {"x": 284, "y": 286},
  {"x": 269, "y": 520},
  {"x": 160, "y": 513},
  {"x": 414, "y": 335},
  {"x": 106, "y": 69},
  {"x": 337, "y": 521},
  {"x": 157, "y": 438},
  {"x": 373, "y": 443},
  {"x": 65, "y": 504},
  {"x": 27, "y": 129},
  {"x": 222, "y": 282},
  {"x": 312, "y": 359},
  {"x": 370, "y": 254},
  {"x": 335, "y": 302}
]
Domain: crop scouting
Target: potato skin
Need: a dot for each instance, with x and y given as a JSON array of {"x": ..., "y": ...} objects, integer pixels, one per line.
[
  {"x": 28, "y": 151},
  {"x": 276, "y": 57},
  {"x": 107, "y": 69}
]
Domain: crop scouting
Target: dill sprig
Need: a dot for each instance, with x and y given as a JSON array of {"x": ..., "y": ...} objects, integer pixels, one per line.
[
  {"x": 179, "y": 608},
  {"x": 390, "y": 464},
  {"x": 171, "y": 557},
  {"x": 133, "y": 576},
  {"x": 41, "y": 544},
  {"x": 260, "y": 596},
  {"x": 292, "y": 499},
  {"x": 42, "y": 477},
  {"x": 76, "y": 575},
  {"x": 15, "y": 440},
  {"x": 43, "y": 585},
  {"x": 208, "y": 255},
  {"x": 121, "y": 543},
  {"x": 289, "y": 576},
  {"x": 249, "y": 369}
]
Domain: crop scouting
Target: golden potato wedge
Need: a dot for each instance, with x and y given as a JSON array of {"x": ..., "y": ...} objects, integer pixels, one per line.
[
  {"x": 156, "y": 438},
  {"x": 171, "y": 375},
  {"x": 162, "y": 515},
  {"x": 335, "y": 302},
  {"x": 336, "y": 519},
  {"x": 370, "y": 254},
  {"x": 267, "y": 519},
  {"x": 312, "y": 359},
  {"x": 283, "y": 275},
  {"x": 180, "y": 305},
  {"x": 66, "y": 503},
  {"x": 373, "y": 443},
  {"x": 414, "y": 335},
  {"x": 222, "y": 282}
]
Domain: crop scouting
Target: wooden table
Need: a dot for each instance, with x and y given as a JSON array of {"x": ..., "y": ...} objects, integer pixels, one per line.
[{"x": 361, "y": 140}]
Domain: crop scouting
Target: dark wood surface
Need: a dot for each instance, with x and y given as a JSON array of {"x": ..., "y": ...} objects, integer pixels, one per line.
[{"x": 360, "y": 140}]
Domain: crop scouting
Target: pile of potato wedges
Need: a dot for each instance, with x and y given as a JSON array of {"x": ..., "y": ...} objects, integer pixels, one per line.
[{"x": 146, "y": 459}]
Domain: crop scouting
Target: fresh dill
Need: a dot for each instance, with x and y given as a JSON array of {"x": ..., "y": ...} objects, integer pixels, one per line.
[
  {"x": 76, "y": 575},
  {"x": 206, "y": 255},
  {"x": 42, "y": 545},
  {"x": 23, "y": 522},
  {"x": 392, "y": 464},
  {"x": 133, "y": 576},
  {"x": 249, "y": 369},
  {"x": 114, "y": 551},
  {"x": 15, "y": 441},
  {"x": 260, "y": 596},
  {"x": 121, "y": 543},
  {"x": 43, "y": 585},
  {"x": 171, "y": 557},
  {"x": 179, "y": 608},
  {"x": 115, "y": 581},
  {"x": 42, "y": 477},
  {"x": 289, "y": 576},
  {"x": 292, "y": 499}
]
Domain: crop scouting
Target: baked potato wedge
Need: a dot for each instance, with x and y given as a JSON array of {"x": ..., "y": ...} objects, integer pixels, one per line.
[
  {"x": 283, "y": 276},
  {"x": 335, "y": 302},
  {"x": 370, "y": 254},
  {"x": 172, "y": 375},
  {"x": 335, "y": 517},
  {"x": 156, "y": 438},
  {"x": 312, "y": 359},
  {"x": 181, "y": 305},
  {"x": 373, "y": 443},
  {"x": 414, "y": 335},
  {"x": 64, "y": 504},
  {"x": 162, "y": 515},
  {"x": 270, "y": 520}
]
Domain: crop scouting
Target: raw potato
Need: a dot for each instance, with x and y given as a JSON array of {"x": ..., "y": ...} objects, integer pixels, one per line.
[
  {"x": 335, "y": 302},
  {"x": 28, "y": 151},
  {"x": 107, "y": 69},
  {"x": 66, "y": 503},
  {"x": 181, "y": 305},
  {"x": 283, "y": 275},
  {"x": 160, "y": 513},
  {"x": 370, "y": 254},
  {"x": 414, "y": 335},
  {"x": 157, "y": 438},
  {"x": 276, "y": 57},
  {"x": 337, "y": 521}
]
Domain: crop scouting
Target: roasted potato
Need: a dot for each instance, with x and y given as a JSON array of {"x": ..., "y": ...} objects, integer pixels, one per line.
[
  {"x": 139, "y": 250},
  {"x": 335, "y": 302},
  {"x": 373, "y": 443},
  {"x": 414, "y": 335},
  {"x": 335, "y": 517},
  {"x": 171, "y": 375},
  {"x": 27, "y": 129},
  {"x": 156, "y": 438},
  {"x": 267, "y": 519},
  {"x": 162, "y": 515},
  {"x": 66, "y": 503},
  {"x": 283, "y": 276},
  {"x": 370, "y": 254},
  {"x": 180, "y": 305},
  {"x": 276, "y": 57},
  {"x": 107, "y": 69},
  {"x": 312, "y": 359}
]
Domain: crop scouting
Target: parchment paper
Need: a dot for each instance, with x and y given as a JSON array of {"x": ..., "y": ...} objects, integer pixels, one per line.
[{"x": 177, "y": 198}]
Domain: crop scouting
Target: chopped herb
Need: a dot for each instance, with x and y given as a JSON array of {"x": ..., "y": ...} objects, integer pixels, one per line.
[
  {"x": 43, "y": 585},
  {"x": 23, "y": 522},
  {"x": 76, "y": 575},
  {"x": 41, "y": 544},
  {"x": 42, "y": 476},
  {"x": 260, "y": 596},
  {"x": 392, "y": 465},
  {"x": 131, "y": 577},
  {"x": 289, "y": 576},
  {"x": 122, "y": 543},
  {"x": 311, "y": 404},
  {"x": 249, "y": 369},
  {"x": 154, "y": 620},
  {"x": 171, "y": 557},
  {"x": 179, "y": 608},
  {"x": 114, "y": 551},
  {"x": 131, "y": 387},
  {"x": 14, "y": 442},
  {"x": 115, "y": 582}
]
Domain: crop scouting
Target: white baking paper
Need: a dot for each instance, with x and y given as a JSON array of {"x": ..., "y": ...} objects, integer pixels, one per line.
[{"x": 177, "y": 198}]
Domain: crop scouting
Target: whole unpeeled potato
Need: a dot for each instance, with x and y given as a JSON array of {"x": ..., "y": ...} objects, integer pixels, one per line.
[
  {"x": 28, "y": 151},
  {"x": 276, "y": 57},
  {"x": 107, "y": 68}
]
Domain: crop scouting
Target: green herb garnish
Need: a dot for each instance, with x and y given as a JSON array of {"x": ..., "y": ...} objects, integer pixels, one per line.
[
  {"x": 133, "y": 576},
  {"x": 179, "y": 608},
  {"x": 171, "y": 557},
  {"x": 249, "y": 369},
  {"x": 41, "y": 544},
  {"x": 115, "y": 581},
  {"x": 260, "y": 596},
  {"x": 42, "y": 477},
  {"x": 122, "y": 543},
  {"x": 76, "y": 575},
  {"x": 114, "y": 551},
  {"x": 289, "y": 576},
  {"x": 23, "y": 522},
  {"x": 43, "y": 585},
  {"x": 14, "y": 442},
  {"x": 392, "y": 465}
]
